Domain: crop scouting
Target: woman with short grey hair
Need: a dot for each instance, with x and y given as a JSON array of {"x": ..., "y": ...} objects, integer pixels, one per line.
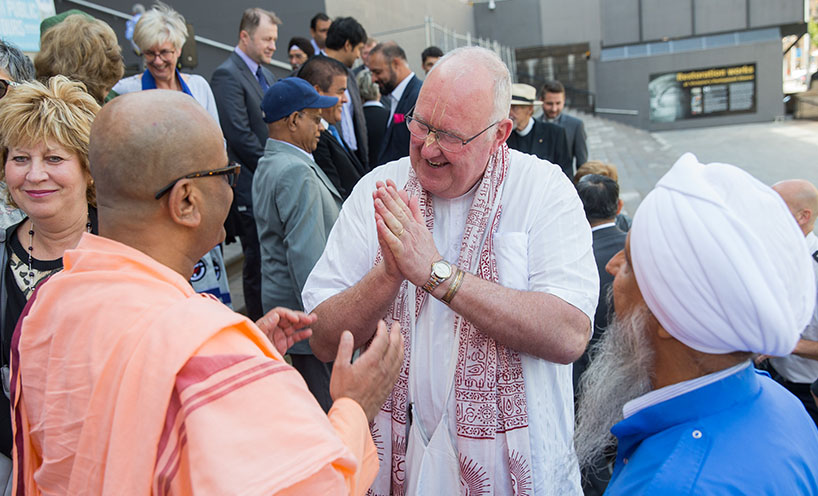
[{"x": 160, "y": 34}]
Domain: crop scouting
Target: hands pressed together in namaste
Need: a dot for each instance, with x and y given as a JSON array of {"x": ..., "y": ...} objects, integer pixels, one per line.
[{"x": 406, "y": 243}]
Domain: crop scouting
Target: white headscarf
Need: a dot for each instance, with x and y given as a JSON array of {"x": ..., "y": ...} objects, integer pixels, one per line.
[{"x": 721, "y": 262}]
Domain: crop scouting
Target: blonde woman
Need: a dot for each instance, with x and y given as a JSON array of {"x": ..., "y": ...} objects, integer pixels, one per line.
[{"x": 45, "y": 167}]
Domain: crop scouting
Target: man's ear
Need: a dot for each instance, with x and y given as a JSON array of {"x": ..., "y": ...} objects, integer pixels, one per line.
[
  {"x": 244, "y": 36},
  {"x": 803, "y": 216},
  {"x": 348, "y": 46},
  {"x": 184, "y": 203},
  {"x": 291, "y": 124},
  {"x": 504, "y": 128},
  {"x": 619, "y": 205}
]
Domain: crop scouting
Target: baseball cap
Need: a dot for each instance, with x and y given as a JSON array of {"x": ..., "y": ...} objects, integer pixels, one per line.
[{"x": 290, "y": 95}]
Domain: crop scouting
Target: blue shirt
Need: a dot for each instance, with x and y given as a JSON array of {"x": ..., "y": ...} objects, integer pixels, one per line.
[{"x": 743, "y": 434}]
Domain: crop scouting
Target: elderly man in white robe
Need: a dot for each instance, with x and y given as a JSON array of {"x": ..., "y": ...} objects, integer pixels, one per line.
[
  {"x": 484, "y": 257},
  {"x": 714, "y": 270}
]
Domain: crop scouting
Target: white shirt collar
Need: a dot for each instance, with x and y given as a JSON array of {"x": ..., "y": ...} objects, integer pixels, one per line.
[
  {"x": 603, "y": 226},
  {"x": 527, "y": 129},
  {"x": 397, "y": 94},
  {"x": 297, "y": 148},
  {"x": 669, "y": 392}
]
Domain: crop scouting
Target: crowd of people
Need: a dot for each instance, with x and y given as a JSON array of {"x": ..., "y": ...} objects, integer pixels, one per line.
[{"x": 434, "y": 279}]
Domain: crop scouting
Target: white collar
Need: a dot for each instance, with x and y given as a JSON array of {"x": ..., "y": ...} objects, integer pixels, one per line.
[
  {"x": 528, "y": 127},
  {"x": 669, "y": 392},
  {"x": 397, "y": 93},
  {"x": 603, "y": 226}
]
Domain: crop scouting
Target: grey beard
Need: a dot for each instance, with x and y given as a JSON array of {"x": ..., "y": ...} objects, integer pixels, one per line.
[{"x": 620, "y": 370}]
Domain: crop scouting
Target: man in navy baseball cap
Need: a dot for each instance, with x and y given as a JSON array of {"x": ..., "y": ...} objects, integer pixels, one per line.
[
  {"x": 290, "y": 95},
  {"x": 295, "y": 205}
]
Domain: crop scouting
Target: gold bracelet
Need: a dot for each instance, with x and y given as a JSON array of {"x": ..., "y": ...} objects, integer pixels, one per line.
[{"x": 458, "y": 280}]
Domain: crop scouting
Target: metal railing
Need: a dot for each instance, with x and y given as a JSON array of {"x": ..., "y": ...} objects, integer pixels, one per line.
[
  {"x": 448, "y": 39},
  {"x": 199, "y": 39}
]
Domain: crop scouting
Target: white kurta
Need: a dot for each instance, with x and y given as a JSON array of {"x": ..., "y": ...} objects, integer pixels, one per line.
[{"x": 543, "y": 243}]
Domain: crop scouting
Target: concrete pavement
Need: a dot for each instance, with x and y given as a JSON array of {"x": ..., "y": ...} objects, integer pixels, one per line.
[{"x": 769, "y": 151}]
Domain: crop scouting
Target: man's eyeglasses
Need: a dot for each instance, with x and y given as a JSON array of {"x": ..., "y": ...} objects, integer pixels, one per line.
[
  {"x": 445, "y": 140},
  {"x": 5, "y": 85},
  {"x": 164, "y": 55},
  {"x": 230, "y": 173}
]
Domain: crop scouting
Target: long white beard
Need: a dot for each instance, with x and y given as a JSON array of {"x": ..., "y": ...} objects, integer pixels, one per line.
[{"x": 620, "y": 370}]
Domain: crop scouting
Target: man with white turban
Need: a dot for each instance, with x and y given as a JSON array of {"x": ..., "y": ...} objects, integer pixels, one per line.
[{"x": 714, "y": 270}]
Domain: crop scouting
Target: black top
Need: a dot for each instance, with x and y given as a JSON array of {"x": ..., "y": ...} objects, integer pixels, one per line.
[{"x": 16, "y": 299}]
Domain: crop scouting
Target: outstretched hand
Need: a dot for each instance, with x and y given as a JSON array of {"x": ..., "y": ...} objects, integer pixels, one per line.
[
  {"x": 285, "y": 327},
  {"x": 407, "y": 245},
  {"x": 370, "y": 379}
]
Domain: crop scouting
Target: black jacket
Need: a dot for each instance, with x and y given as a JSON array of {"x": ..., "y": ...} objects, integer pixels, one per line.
[
  {"x": 547, "y": 141},
  {"x": 341, "y": 167},
  {"x": 396, "y": 140}
]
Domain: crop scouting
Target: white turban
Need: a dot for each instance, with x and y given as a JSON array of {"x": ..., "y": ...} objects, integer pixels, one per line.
[{"x": 721, "y": 262}]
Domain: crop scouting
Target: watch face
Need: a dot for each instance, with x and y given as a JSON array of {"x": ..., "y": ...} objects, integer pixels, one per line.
[{"x": 442, "y": 270}]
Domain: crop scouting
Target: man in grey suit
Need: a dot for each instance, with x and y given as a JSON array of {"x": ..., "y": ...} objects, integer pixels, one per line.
[
  {"x": 295, "y": 206},
  {"x": 238, "y": 86},
  {"x": 553, "y": 96}
]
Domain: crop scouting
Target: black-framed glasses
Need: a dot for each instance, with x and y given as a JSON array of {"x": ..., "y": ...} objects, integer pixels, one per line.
[
  {"x": 5, "y": 84},
  {"x": 162, "y": 54},
  {"x": 230, "y": 173},
  {"x": 446, "y": 140}
]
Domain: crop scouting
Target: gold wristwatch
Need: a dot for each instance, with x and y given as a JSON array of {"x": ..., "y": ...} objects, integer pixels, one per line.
[{"x": 441, "y": 270}]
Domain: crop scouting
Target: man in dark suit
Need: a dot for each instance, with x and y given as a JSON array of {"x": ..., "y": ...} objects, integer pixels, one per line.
[
  {"x": 543, "y": 139},
  {"x": 600, "y": 198},
  {"x": 238, "y": 86},
  {"x": 553, "y": 104},
  {"x": 329, "y": 78},
  {"x": 399, "y": 87},
  {"x": 345, "y": 40}
]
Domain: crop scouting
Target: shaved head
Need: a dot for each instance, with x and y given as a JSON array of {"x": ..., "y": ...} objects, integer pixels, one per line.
[
  {"x": 143, "y": 140},
  {"x": 801, "y": 197},
  {"x": 140, "y": 143}
]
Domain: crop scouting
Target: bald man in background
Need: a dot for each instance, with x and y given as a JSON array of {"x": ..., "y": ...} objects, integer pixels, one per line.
[
  {"x": 185, "y": 395},
  {"x": 800, "y": 369}
]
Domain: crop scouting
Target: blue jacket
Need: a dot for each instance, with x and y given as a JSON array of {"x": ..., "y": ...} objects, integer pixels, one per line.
[{"x": 744, "y": 434}]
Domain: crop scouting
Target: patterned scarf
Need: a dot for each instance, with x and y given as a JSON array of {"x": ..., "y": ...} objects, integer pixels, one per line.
[{"x": 491, "y": 412}]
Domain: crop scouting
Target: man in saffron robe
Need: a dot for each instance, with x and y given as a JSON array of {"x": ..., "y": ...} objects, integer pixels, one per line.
[{"x": 125, "y": 381}]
